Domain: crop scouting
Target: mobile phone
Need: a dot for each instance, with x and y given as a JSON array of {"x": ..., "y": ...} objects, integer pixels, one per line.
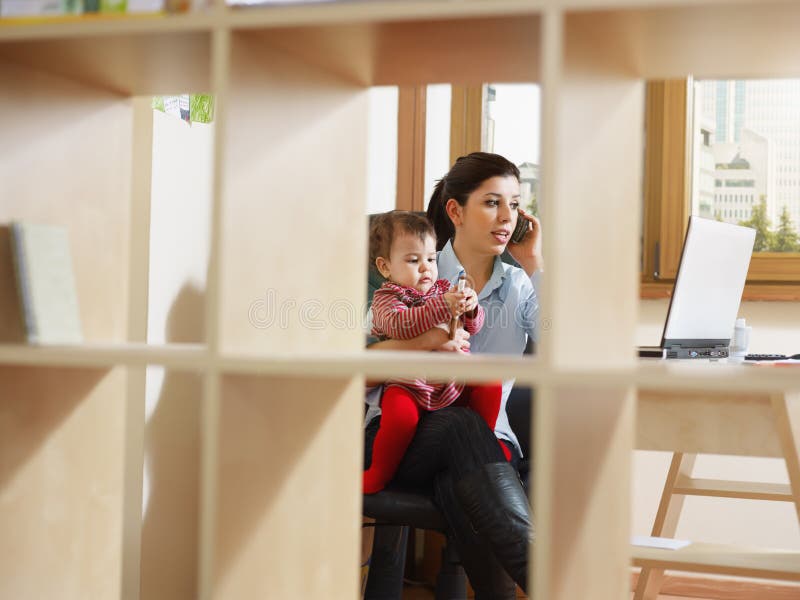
[{"x": 520, "y": 230}]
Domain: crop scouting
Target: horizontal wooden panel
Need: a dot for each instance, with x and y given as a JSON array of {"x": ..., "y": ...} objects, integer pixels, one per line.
[
  {"x": 465, "y": 51},
  {"x": 127, "y": 63},
  {"x": 174, "y": 356},
  {"x": 753, "y": 39},
  {"x": 650, "y": 374},
  {"x": 392, "y": 10}
]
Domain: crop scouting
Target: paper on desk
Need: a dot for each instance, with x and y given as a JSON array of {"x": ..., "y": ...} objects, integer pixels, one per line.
[
  {"x": 659, "y": 542},
  {"x": 776, "y": 363}
]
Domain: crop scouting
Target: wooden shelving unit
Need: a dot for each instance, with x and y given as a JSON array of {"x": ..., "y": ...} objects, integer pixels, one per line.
[{"x": 282, "y": 405}]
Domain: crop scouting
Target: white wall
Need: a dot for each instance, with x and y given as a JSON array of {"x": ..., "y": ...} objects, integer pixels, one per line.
[
  {"x": 179, "y": 246},
  {"x": 776, "y": 328},
  {"x": 382, "y": 149}
]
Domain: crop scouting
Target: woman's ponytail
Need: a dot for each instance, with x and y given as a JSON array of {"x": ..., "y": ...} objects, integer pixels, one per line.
[{"x": 437, "y": 215}]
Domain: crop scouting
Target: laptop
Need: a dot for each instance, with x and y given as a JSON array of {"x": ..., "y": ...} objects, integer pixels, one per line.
[{"x": 708, "y": 289}]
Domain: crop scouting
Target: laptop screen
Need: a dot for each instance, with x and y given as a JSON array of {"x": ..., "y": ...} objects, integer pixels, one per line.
[{"x": 709, "y": 284}]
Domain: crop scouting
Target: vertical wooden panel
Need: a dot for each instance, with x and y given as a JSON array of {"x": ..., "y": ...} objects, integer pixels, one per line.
[
  {"x": 411, "y": 108},
  {"x": 292, "y": 250},
  {"x": 209, "y": 413},
  {"x": 592, "y": 140},
  {"x": 139, "y": 262}
]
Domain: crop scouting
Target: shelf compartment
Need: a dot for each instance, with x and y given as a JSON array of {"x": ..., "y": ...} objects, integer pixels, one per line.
[
  {"x": 287, "y": 447},
  {"x": 62, "y": 439}
]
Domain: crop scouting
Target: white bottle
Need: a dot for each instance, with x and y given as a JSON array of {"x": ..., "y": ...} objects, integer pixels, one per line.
[{"x": 740, "y": 340}]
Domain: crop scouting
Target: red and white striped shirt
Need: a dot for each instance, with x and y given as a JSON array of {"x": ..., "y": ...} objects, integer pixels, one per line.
[{"x": 403, "y": 313}]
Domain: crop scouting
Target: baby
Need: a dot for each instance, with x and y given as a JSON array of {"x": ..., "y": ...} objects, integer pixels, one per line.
[{"x": 402, "y": 246}]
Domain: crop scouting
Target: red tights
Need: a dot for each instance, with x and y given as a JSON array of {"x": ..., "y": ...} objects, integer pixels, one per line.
[{"x": 399, "y": 417}]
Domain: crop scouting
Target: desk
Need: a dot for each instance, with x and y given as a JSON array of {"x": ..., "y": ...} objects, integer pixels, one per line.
[{"x": 691, "y": 423}]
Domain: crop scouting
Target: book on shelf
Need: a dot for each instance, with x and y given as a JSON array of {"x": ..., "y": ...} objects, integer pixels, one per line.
[{"x": 46, "y": 283}]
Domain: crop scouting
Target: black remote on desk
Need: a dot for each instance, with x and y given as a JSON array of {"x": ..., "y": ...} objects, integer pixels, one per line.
[{"x": 771, "y": 357}]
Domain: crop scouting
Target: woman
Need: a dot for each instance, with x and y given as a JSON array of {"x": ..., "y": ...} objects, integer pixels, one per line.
[{"x": 474, "y": 210}]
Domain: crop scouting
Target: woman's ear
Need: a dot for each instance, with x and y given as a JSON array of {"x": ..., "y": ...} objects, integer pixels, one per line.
[
  {"x": 455, "y": 211},
  {"x": 383, "y": 266}
]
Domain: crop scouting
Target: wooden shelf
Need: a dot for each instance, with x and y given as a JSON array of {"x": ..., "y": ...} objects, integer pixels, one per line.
[
  {"x": 381, "y": 10},
  {"x": 174, "y": 356},
  {"x": 527, "y": 371},
  {"x": 723, "y": 559},
  {"x": 104, "y": 25}
]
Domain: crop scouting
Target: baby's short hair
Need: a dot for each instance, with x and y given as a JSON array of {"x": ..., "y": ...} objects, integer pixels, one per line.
[{"x": 386, "y": 225}]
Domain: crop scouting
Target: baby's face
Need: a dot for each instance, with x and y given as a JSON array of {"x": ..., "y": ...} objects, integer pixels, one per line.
[{"x": 412, "y": 262}]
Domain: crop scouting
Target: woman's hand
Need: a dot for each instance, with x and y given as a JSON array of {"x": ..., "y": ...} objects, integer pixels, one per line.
[
  {"x": 459, "y": 343},
  {"x": 471, "y": 300},
  {"x": 435, "y": 339},
  {"x": 528, "y": 252},
  {"x": 456, "y": 301}
]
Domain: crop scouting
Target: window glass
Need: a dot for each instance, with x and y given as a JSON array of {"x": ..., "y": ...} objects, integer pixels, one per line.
[
  {"x": 437, "y": 135},
  {"x": 511, "y": 127},
  {"x": 746, "y": 157},
  {"x": 382, "y": 149}
]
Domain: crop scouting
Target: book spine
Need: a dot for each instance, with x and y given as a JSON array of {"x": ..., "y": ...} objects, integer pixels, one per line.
[{"x": 22, "y": 271}]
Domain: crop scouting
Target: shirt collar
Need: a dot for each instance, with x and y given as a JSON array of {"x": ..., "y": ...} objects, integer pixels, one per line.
[{"x": 450, "y": 267}]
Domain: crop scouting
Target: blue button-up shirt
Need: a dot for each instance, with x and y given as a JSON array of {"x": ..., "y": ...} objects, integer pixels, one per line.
[{"x": 512, "y": 309}]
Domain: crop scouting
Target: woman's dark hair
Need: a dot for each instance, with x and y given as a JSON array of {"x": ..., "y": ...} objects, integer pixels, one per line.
[
  {"x": 386, "y": 226},
  {"x": 463, "y": 178}
]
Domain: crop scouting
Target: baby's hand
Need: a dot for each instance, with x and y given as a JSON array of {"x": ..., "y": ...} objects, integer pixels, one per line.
[
  {"x": 470, "y": 300},
  {"x": 456, "y": 302}
]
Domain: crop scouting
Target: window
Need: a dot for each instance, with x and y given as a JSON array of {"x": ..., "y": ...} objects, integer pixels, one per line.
[{"x": 717, "y": 149}]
